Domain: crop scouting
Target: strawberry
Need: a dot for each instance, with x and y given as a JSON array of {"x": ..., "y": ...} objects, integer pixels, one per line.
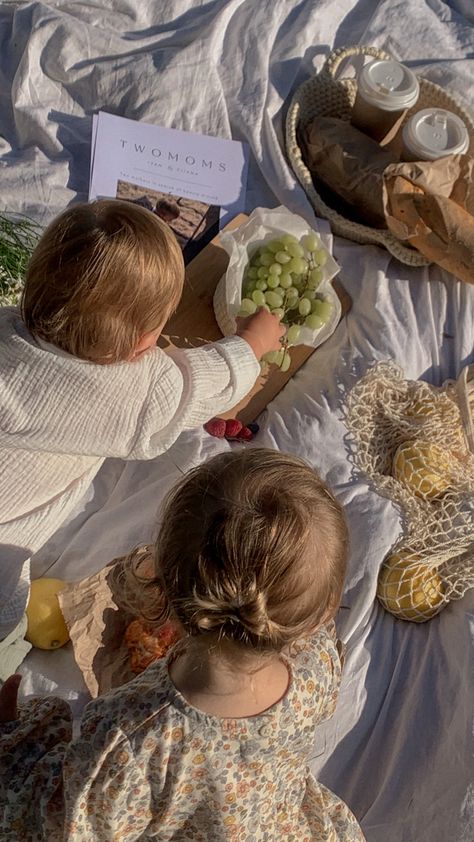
[
  {"x": 245, "y": 434},
  {"x": 215, "y": 427},
  {"x": 232, "y": 428}
]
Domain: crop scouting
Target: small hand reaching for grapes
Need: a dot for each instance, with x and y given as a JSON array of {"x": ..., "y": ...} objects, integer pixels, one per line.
[{"x": 262, "y": 330}]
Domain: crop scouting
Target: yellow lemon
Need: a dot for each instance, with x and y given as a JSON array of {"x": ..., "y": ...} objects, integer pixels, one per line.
[
  {"x": 410, "y": 589},
  {"x": 422, "y": 467},
  {"x": 46, "y": 626}
]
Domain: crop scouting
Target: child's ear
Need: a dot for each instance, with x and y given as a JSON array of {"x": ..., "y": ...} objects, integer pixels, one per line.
[{"x": 148, "y": 340}]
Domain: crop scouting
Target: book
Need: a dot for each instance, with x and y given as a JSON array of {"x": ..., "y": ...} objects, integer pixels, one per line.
[{"x": 196, "y": 183}]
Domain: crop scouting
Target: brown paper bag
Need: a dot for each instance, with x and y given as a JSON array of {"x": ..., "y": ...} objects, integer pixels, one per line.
[
  {"x": 350, "y": 164},
  {"x": 430, "y": 206},
  {"x": 97, "y": 628}
]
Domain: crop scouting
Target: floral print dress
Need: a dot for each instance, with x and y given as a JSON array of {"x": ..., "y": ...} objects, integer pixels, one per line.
[{"x": 149, "y": 766}]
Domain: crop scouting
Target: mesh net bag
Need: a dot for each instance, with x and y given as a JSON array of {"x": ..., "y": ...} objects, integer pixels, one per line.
[{"x": 413, "y": 441}]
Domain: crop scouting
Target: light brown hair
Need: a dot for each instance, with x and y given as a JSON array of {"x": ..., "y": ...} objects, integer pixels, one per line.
[
  {"x": 102, "y": 276},
  {"x": 252, "y": 548}
]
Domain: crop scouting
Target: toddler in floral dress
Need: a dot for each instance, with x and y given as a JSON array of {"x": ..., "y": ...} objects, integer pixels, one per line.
[{"x": 211, "y": 743}]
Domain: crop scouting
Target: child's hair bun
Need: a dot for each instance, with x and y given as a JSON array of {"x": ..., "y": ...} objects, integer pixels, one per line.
[{"x": 246, "y": 610}]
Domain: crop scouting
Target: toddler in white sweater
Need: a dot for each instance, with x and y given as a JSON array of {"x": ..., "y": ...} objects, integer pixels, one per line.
[{"x": 81, "y": 378}]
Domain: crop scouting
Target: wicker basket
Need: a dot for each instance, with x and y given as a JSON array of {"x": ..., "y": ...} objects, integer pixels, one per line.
[{"x": 325, "y": 96}]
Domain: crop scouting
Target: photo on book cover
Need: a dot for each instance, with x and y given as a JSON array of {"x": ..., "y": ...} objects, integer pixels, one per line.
[{"x": 194, "y": 223}]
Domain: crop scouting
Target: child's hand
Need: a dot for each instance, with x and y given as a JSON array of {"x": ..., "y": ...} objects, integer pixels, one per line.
[
  {"x": 9, "y": 698},
  {"x": 262, "y": 331}
]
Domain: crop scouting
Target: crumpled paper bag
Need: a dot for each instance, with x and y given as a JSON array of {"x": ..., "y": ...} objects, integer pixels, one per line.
[
  {"x": 350, "y": 164},
  {"x": 96, "y": 627},
  {"x": 430, "y": 206}
]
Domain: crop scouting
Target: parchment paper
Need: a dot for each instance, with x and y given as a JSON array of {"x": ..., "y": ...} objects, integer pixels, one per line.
[{"x": 430, "y": 205}]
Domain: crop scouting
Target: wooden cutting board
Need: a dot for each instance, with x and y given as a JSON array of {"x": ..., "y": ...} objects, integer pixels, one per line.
[{"x": 194, "y": 324}]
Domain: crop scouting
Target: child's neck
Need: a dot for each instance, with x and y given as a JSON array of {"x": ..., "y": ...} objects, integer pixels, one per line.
[{"x": 229, "y": 686}]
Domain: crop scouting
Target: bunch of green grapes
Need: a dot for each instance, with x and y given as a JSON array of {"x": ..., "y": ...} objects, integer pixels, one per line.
[{"x": 283, "y": 276}]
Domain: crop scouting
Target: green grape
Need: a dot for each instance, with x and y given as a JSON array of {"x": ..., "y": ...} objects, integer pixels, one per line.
[
  {"x": 274, "y": 246},
  {"x": 288, "y": 238},
  {"x": 295, "y": 250},
  {"x": 298, "y": 265},
  {"x": 309, "y": 293},
  {"x": 314, "y": 278},
  {"x": 274, "y": 357},
  {"x": 266, "y": 259},
  {"x": 286, "y": 362},
  {"x": 322, "y": 308},
  {"x": 259, "y": 297},
  {"x": 273, "y": 281},
  {"x": 247, "y": 306},
  {"x": 304, "y": 306},
  {"x": 273, "y": 299},
  {"x": 263, "y": 272},
  {"x": 310, "y": 242},
  {"x": 293, "y": 334},
  {"x": 321, "y": 257},
  {"x": 313, "y": 321},
  {"x": 278, "y": 311},
  {"x": 275, "y": 269},
  {"x": 286, "y": 281},
  {"x": 252, "y": 272},
  {"x": 292, "y": 295},
  {"x": 261, "y": 284},
  {"x": 280, "y": 291},
  {"x": 282, "y": 257}
]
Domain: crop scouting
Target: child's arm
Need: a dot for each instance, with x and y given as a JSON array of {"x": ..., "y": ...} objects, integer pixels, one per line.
[
  {"x": 206, "y": 381},
  {"x": 53, "y": 789},
  {"x": 132, "y": 410},
  {"x": 219, "y": 375},
  {"x": 33, "y": 743}
]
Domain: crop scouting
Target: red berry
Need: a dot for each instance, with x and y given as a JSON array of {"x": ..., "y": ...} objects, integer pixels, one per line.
[
  {"x": 245, "y": 434},
  {"x": 215, "y": 427},
  {"x": 232, "y": 428}
]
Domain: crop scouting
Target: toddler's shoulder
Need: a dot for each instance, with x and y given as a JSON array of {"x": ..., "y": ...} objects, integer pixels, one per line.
[
  {"x": 145, "y": 699},
  {"x": 316, "y": 667}
]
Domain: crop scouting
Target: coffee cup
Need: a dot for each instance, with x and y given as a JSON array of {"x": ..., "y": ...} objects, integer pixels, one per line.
[
  {"x": 433, "y": 133},
  {"x": 386, "y": 89}
]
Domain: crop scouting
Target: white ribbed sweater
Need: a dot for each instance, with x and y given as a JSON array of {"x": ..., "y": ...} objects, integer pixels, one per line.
[{"x": 60, "y": 417}]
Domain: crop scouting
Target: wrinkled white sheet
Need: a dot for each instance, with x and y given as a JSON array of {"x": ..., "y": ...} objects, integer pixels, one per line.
[{"x": 400, "y": 748}]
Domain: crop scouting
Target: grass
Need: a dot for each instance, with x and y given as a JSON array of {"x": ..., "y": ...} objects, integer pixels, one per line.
[{"x": 18, "y": 237}]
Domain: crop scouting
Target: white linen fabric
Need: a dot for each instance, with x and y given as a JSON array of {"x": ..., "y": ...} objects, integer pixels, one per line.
[{"x": 399, "y": 749}]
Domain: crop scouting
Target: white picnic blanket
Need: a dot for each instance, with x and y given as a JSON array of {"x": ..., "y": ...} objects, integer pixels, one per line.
[{"x": 399, "y": 749}]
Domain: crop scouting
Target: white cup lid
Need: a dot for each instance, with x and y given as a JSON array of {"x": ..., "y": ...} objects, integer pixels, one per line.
[
  {"x": 388, "y": 84},
  {"x": 434, "y": 132}
]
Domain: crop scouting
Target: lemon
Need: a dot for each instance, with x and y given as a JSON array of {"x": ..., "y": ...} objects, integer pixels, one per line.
[
  {"x": 410, "y": 589},
  {"x": 422, "y": 467},
  {"x": 46, "y": 626}
]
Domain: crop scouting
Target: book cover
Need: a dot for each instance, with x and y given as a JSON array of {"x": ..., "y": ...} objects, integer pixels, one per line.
[{"x": 195, "y": 183}]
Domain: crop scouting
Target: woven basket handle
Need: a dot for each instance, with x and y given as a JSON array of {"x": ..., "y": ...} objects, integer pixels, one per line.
[{"x": 337, "y": 56}]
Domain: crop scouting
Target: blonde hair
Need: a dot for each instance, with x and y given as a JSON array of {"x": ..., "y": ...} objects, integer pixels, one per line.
[
  {"x": 102, "y": 276},
  {"x": 252, "y": 549}
]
